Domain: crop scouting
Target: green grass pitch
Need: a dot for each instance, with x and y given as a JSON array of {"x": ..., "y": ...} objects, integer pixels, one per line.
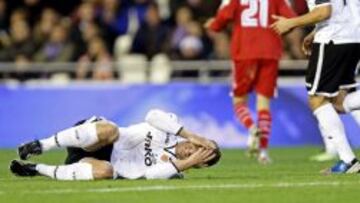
[{"x": 290, "y": 179}]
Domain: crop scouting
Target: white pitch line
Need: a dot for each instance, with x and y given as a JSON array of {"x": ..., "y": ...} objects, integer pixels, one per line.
[{"x": 187, "y": 187}]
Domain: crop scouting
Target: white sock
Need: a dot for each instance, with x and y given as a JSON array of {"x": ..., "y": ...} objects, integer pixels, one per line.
[
  {"x": 80, "y": 136},
  {"x": 76, "y": 171},
  {"x": 329, "y": 146},
  {"x": 333, "y": 128},
  {"x": 352, "y": 102}
]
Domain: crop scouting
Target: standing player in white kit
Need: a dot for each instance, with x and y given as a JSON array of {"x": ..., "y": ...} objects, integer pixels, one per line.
[
  {"x": 99, "y": 149},
  {"x": 330, "y": 78}
]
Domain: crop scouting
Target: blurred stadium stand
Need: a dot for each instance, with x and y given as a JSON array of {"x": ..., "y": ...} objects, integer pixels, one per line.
[{"x": 159, "y": 40}]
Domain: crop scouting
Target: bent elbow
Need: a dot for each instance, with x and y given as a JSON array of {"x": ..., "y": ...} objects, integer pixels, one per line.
[{"x": 151, "y": 115}]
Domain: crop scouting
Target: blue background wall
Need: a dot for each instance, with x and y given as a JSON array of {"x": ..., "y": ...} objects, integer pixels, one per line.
[{"x": 34, "y": 112}]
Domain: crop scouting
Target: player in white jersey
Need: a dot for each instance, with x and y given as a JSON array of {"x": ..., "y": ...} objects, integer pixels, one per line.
[
  {"x": 355, "y": 12},
  {"x": 334, "y": 55},
  {"x": 159, "y": 148},
  {"x": 351, "y": 16}
]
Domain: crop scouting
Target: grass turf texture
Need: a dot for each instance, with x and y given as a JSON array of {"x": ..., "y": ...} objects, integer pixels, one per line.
[{"x": 291, "y": 178}]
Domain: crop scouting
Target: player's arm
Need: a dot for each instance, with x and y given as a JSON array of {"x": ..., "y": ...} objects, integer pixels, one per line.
[
  {"x": 174, "y": 167},
  {"x": 163, "y": 121},
  {"x": 320, "y": 13},
  {"x": 224, "y": 15},
  {"x": 168, "y": 123},
  {"x": 161, "y": 171},
  {"x": 196, "y": 139}
]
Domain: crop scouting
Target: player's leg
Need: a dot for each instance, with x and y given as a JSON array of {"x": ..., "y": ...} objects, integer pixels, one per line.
[
  {"x": 89, "y": 136},
  {"x": 242, "y": 111},
  {"x": 86, "y": 169},
  {"x": 330, "y": 152},
  {"x": 347, "y": 101},
  {"x": 264, "y": 126},
  {"x": 351, "y": 101},
  {"x": 243, "y": 114},
  {"x": 265, "y": 86},
  {"x": 244, "y": 73},
  {"x": 351, "y": 105},
  {"x": 333, "y": 128},
  {"x": 323, "y": 79},
  {"x": 75, "y": 154}
]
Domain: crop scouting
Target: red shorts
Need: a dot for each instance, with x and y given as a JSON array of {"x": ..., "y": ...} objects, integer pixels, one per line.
[{"x": 258, "y": 74}]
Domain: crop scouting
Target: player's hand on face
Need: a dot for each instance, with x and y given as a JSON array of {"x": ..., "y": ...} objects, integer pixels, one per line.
[
  {"x": 282, "y": 24},
  {"x": 306, "y": 45},
  {"x": 201, "y": 156},
  {"x": 202, "y": 142}
]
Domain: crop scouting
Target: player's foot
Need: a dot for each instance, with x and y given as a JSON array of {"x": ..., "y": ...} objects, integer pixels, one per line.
[
  {"x": 342, "y": 167},
  {"x": 253, "y": 143},
  {"x": 28, "y": 149},
  {"x": 23, "y": 169},
  {"x": 324, "y": 157},
  {"x": 264, "y": 157}
]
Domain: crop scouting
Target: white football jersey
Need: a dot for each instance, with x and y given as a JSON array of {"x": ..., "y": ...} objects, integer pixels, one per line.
[
  {"x": 355, "y": 15},
  {"x": 339, "y": 28},
  {"x": 145, "y": 151}
]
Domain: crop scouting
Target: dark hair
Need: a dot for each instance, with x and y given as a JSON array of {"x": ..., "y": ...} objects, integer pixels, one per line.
[{"x": 217, "y": 155}]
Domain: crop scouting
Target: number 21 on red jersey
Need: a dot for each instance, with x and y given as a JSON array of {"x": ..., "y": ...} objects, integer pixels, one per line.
[{"x": 255, "y": 14}]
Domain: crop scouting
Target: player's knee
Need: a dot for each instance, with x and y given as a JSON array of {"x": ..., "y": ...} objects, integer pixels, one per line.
[
  {"x": 102, "y": 170},
  {"x": 240, "y": 99},
  {"x": 339, "y": 108},
  {"x": 317, "y": 101},
  {"x": 337, "y": 102},
  {"x": 108, "y": 132},
  {"x": 263, "y": 102}
]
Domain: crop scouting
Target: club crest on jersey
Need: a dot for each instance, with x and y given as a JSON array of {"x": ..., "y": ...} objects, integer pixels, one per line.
[{"x": 149, "y": 156}]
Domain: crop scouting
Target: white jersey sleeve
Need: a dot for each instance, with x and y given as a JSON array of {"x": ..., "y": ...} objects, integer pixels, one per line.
[
  {"x": 163, "y": 121},
  {"x": 355, "y": 11}
]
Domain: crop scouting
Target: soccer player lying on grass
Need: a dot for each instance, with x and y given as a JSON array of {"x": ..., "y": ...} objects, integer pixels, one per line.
[{"x": 99, "y": 149}]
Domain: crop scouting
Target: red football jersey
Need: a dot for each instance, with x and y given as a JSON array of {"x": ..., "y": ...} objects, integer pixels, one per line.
[{"x": 252, "y": 37}]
